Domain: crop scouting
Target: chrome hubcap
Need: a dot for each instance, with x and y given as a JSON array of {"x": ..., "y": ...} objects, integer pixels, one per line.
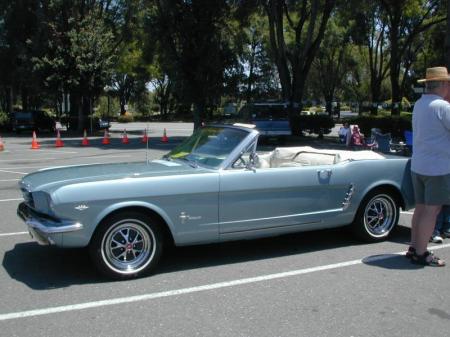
[
  {"x": 128, "y": 246},
  {"x": 380, "y": 215}
]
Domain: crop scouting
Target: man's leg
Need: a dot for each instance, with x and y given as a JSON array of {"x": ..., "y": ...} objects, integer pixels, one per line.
[{"x": 422, "y": 226}]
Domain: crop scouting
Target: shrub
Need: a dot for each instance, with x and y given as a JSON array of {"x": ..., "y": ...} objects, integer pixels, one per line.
[
  {"x": 320, "y": 124},
  {"x": 394, "y": 125},
  {"x": 5, "y": 122},
  {"x": 126, "y": 118}
]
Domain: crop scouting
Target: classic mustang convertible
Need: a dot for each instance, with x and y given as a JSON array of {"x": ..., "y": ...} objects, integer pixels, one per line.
[{"x": 213, "y": 187}]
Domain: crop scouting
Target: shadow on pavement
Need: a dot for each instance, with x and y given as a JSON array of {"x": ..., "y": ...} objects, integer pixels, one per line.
[
  {"x": 390, "y": 261},
  {"x": 44, "y": 267}
]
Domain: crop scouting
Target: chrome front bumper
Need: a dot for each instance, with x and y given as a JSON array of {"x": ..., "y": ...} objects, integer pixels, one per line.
[{"x": 45, "y": 230}]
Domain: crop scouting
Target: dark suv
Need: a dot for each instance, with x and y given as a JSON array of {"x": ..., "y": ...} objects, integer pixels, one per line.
[{"x": 36, "y": 120}]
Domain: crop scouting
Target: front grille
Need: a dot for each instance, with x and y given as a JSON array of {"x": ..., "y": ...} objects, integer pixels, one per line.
[{"x": 28, "y": 197}]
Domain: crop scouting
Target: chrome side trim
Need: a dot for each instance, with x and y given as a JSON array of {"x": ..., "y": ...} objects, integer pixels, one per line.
[
  {"x": 348, "y": 197},
  {"x": 285, "y": 216}
]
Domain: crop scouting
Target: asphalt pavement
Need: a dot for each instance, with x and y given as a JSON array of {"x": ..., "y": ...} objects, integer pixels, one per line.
[{"x": 322, "y": 283}]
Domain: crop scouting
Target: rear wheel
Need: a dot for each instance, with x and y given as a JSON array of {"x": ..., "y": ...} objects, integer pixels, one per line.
[
  {"x": 377, "y": 216},
  {"x": 127, "y": 245}
]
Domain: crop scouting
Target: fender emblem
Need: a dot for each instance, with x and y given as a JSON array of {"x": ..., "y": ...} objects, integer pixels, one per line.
[
  {"x": 184, "y": 217},
  {"x": 81, "y": 207}
]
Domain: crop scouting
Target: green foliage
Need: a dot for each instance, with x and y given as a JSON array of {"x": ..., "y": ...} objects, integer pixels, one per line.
[
  {"x": 319, "y": 124},
  {"x": 395, "y": 125},
  {"x": 3, "y": 118},
  {"x": 126, "y": 118},
  {"x": 194, "y": 53},
  {"x": 101, "y": 109}
]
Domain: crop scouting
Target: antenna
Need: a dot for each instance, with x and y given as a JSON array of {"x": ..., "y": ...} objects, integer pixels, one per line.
[{"x": 146, "y": 144}]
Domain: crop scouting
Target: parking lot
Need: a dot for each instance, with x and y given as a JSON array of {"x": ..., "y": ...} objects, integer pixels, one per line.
[{"x": 322, "y": 283}]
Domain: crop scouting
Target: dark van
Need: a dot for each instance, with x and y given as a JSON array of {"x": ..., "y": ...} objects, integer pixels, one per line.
[
  {"x": 270, "y": 119},
  {"x": 36, "y": 120}
]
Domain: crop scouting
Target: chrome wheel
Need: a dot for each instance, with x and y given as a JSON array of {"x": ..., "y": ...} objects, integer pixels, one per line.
[
  {"x": 128, "y": 246},
  {"x": 380, "y": 215},
  {"x": 376, "y": 217}
]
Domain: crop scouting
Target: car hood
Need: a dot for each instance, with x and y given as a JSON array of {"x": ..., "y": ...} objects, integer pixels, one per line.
[{"x": 54, "y": 177}]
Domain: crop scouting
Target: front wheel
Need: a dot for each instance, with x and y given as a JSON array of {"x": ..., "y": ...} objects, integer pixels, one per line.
[
  {"x": 127, "y": 245},
  {"x": 377, "y": 216}
]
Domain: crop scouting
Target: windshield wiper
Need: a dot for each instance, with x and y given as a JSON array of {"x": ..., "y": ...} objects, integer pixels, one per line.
[{"x": 190, "y": 162}]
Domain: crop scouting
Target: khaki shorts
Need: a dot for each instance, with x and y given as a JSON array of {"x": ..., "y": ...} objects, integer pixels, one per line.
[{"x": 431, "y": 190}]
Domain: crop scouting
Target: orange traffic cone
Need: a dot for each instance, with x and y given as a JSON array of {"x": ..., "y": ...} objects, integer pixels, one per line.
[
  {"x": 144, "y": 137},
  {"x": 105, "y": 140},
  {"x": 125, "y": 139},
  {"x": 34, "y": 142},
  {"x": 85, "y": 141},
  {"x": 164, "y": 138},
  {"x": 59, "y": 142},
  {"x": 2, "y": 146}
]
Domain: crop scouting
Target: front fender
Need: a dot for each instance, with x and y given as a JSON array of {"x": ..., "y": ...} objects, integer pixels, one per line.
[
  {"x": 125, "y": 204},
  {"x": 83, "y": 237}
]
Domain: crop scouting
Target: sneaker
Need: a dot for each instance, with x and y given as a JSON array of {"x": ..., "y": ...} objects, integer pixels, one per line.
[
  {"x": 436, "y": 239},
  {"x": 446, "y": 234}
]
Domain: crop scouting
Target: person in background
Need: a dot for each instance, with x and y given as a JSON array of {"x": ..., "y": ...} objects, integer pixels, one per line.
[
  {"x": 345, "y": 134},
  {"x": 442, "y": 227},
  {"x": 430, "y": 169},
  {"x": 356, "y": 140}
]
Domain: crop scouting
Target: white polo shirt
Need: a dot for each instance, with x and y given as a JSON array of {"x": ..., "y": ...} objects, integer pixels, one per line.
[{"x": 431, "y": 136}]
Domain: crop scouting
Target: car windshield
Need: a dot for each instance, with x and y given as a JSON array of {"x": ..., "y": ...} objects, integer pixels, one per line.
[{"x": 208, "y": 146}]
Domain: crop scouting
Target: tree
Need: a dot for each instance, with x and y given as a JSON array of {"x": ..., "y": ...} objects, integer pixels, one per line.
[
  {"x": 259, "y": 75},
  {"x": 131, "y": 75},
  {"x": 195, "y": 49},
  {"x": 406, "y": 21},
  {"x": 369, "y": 34},
  {"x": 296, "y": 30},
  {"x": 81, "y": 43},
  {"x": 18, "y": 30},
  {"x": 332, "y": 62}
]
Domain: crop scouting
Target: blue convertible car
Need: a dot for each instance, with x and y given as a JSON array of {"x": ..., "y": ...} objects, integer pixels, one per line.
[{"x": 213, "y": 187}]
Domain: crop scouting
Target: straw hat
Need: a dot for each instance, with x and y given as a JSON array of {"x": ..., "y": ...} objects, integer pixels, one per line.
[{"x": 436, "y": 74}]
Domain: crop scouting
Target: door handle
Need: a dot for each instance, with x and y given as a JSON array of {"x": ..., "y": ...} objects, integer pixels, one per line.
[{"x": 324, "y": 174}]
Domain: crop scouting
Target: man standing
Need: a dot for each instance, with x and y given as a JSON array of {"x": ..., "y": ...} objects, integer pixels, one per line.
[{"x": 430, "y": 164}]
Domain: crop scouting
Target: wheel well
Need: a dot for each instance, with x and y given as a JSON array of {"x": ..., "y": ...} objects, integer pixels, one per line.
[
  {"x": 393, "y": 191},
  {"x": 139, "y": 209}
]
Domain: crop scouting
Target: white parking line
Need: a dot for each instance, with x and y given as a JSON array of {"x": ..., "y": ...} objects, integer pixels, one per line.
[
  {"x": 4, "y": 200},
  {"x": 6, "y": 171},
  {"x": 12, "y": 234},
  {"x": 55, "y": 151},
  {"x": 3, "y": 180},
  {"x": 183, "y": 291},
  {"x": 21, "y": 167},
  {"x": 7, "y": 160}
]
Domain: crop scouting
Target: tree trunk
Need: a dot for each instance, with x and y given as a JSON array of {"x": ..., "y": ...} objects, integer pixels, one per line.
[
  {"x": 199, "y": 114},
  {"x": 80, "y": 114},
  {"x": 24, "y": 97},
  {"x": 9, "y": 100}
]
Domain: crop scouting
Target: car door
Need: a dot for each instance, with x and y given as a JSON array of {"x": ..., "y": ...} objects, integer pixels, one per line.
[{"x": 280, "y": 197}]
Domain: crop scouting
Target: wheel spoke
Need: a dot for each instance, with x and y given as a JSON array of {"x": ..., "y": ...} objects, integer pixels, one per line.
[{"x": 119, "y": 244}]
